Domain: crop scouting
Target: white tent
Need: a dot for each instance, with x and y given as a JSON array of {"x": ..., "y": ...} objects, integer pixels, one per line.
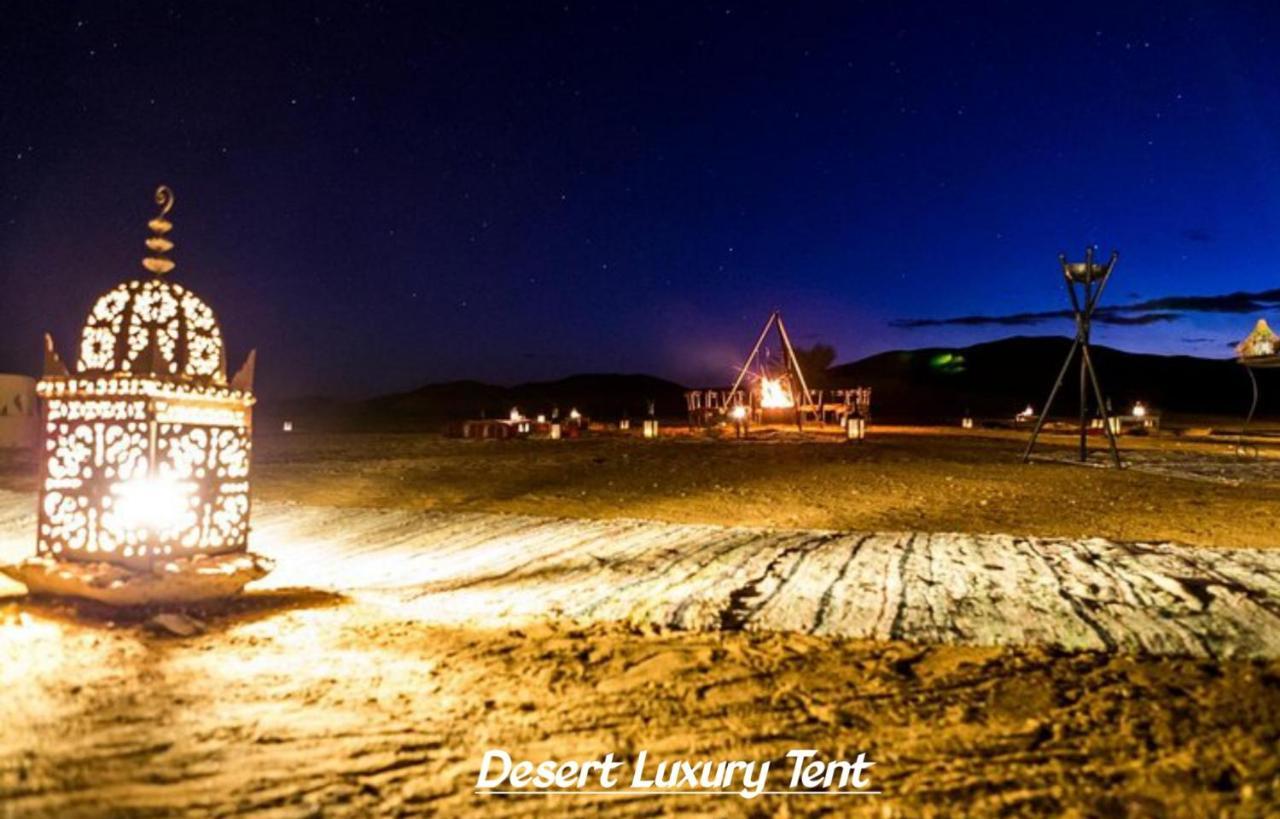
[{"x": 19, "y": 417}]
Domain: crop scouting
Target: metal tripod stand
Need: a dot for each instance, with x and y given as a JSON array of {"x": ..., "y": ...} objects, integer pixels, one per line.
[{"x": 1091, "y": 277}]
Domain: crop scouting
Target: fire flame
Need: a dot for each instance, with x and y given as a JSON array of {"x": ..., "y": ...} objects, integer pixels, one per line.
[{"x": 773, "y": 394}]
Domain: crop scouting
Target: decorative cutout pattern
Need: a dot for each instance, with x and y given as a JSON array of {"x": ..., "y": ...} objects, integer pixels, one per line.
[
  {"x": 153, "y": 327},
  {"x": 112, "y": 493}
]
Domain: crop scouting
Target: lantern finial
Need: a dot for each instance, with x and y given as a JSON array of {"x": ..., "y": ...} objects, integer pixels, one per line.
[{"x": 159, "y": 263}]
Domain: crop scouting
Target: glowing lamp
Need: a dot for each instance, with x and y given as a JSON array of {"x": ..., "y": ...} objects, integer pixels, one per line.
[
  {"x": 555, "y": 432},
  {"x": 738, "y": 413},
  {"x": 287, "y": 426},
  {"x": 855, "y": 427},
  {"x": 515, "y": 414},
  {"x": 624, "y": 424},
  {"x": 1027, "y": 414},
  {"x": 542, "y": 419},
  {"x": 574, "y": 415},
  {"x": 651, "y": 427},
  {"x": 1139, "y": 411},
  {"x": 145, "y": 471},
  {"x": 966, "y": 422}
]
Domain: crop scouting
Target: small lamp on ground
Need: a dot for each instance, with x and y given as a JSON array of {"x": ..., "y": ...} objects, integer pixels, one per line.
[
  {"x": 1141, "y": 412},
  {"x": 739, "y": 416},
  {"x": 521, "y": 423},
  {"x": 287, "y": 426},
  {"x": 855, "y": 427},
  {"x": 624, "y": 424},
  {"x": 144, "y": 484}
]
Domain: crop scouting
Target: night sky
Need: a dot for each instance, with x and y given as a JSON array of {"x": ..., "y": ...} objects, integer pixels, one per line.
[{"x": 377, "y": 196}]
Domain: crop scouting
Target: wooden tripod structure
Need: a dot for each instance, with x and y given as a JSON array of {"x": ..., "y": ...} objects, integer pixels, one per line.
[
  {"x": 800, "y": 397},
  {"x": 1091, "y": 278}
]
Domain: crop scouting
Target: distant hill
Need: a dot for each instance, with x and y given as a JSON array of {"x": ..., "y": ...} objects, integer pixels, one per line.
[
  {"x": 995, "y": 379},
  {"x": 1001, "y": 377},
  {"x": 603, "y": 396},
  {"x": 598, "y": 395}
]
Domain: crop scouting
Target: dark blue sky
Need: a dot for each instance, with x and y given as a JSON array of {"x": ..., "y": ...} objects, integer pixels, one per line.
[{"x": 376, "y": 195}]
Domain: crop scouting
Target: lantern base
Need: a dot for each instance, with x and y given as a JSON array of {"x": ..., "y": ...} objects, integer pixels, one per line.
[{"x": 185, "y": 580}]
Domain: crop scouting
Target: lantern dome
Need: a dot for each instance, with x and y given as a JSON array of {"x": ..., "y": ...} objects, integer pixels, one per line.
[{"x": 153, "y": 328}]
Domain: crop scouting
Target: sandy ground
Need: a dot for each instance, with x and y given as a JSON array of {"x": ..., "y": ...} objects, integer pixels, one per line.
[
  {"x": 479, "y": 569},
  {"x": 918, "y": 480},
  {"x": 921, "y": 479},
  {"x": 297, "y": 702}
]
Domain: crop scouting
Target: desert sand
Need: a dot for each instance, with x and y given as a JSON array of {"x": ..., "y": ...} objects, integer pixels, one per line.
[{"x": 295, "y": 701}]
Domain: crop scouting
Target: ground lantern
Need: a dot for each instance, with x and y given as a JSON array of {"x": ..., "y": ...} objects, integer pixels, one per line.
[{"x": 144, "y": 485}]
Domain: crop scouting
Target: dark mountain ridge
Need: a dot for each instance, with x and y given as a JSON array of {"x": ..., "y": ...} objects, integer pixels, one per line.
[
  {"x": 999, "y": 378},
  {"x": 932, "y": 384}
]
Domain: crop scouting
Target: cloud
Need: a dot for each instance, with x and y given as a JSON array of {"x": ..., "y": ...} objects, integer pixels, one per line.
[
  {"x": 1012, "y": 320},
  {"x": 1137, "y": 320},
  {"x": 1238, "y": 302},
  {"x": 1197, "y": 234},
  {"x": 1151, "y": 311}
]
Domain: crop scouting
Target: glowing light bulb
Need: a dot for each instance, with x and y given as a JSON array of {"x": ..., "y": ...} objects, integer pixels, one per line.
[{"x": 153, "y": 504}]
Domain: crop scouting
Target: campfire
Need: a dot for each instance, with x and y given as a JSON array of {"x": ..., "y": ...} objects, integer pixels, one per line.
[
  {"x": 774, "y": 394},
  {"x": 770, "y": 389}
]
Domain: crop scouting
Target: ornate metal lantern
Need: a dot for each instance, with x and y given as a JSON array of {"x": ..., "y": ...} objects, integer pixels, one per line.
[{"x": 145, "y": 474}]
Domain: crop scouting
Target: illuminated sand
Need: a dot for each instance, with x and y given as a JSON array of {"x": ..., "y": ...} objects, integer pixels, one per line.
[
  {"x": 300, "y": 703},
  {"x": 506, "y": 570}
]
